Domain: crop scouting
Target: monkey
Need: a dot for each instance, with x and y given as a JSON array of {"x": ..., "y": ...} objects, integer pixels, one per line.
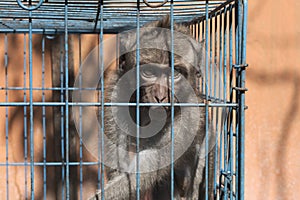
[{"x": 151, "y": 126}]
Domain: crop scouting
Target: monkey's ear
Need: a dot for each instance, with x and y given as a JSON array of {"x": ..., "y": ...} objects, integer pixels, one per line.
[
  {"x": 127, "y": 41},
  {"x": 200, "y": 49},
  {"x": 165, "y": 22}
]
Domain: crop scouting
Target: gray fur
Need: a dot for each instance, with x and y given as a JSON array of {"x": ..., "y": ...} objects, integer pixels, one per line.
[{"x": 189, "y": 168}]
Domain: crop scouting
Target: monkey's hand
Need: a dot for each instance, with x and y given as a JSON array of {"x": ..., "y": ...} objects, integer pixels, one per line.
[{"x": 113, "y": 189}]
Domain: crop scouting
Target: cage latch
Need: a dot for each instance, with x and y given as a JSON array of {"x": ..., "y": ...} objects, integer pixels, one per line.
[
  {"x": 239, "y": 66},
  {"x": 240, "y": 89}
]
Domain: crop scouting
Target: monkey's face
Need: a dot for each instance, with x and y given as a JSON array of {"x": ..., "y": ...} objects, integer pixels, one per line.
[
  {"x": 156, "y": 76},
  {"x": 157, "y": 83},
  {"x": 156, "y": 79}
]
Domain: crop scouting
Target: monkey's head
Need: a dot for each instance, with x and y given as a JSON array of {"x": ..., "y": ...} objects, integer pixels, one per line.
[
  {"x": 155, "y": 60},
  {"x": 153, "y": 51}
]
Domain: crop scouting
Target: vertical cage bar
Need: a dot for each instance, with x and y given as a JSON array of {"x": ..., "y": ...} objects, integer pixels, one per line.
[
  {"x": 62, "y": 132},
  {"x": 31, "y": 108},
  {"x": 44, "y": 119},
  {"x": 217, "y": 186},
  {"x": 80, "y": 123},
  {"x": 224, "y": 113},
  {"x": 99, "y": 98},
  {"x": 206, "y": 98},
  {"x": 203, "y": 27},
  {"x": 237, "y": 47},
  {"x": 243, "y": 14},
  {"x": 138, "y": 101},
  {"x": 220, "y": 55},
  {"x": 6, "y": 112},
  {"x": 210, "y": 55},
  {"x": 66, "y": 47},
  {"x": 220, "y": 49},
  {"x": 215, "y": 55},
  {"x": 225, "y": 56},
  {"x": 200, "y": 39},
  {"x": 102, "y": 100},
  {"x": 231, "y": 167},
  {"x": 172, "y": 98},
  {"x": 25, "y": 117},
  {"x": 238, "y": 79}
]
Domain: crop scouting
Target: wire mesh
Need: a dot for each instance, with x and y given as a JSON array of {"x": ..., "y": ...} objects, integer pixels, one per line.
[{"x": 43, "y": 154}]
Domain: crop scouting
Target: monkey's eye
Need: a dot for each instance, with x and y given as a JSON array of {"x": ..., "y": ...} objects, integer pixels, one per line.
[
  {"x": 148, "y": 72},
  {"x": 177, "y": 74}
]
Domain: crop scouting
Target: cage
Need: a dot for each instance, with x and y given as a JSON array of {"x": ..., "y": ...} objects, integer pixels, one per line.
[{"x": 44, "y": 150}]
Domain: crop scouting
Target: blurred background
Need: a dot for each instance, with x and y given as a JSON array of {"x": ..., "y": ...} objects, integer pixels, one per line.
[{"x": 273, "y": 117}]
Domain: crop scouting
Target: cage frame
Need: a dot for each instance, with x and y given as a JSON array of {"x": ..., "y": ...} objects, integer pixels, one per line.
[{"x": 22, "y": 20}]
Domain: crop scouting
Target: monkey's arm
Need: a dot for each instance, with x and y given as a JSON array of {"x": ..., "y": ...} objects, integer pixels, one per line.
[
  {"x": 123, "y": 186},
  {"x": 200, "y": 176},
  {"x": 186, "y": 175}
]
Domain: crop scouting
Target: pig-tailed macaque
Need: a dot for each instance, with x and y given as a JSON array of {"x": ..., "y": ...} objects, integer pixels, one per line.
[{"x": 156, "y": 149}]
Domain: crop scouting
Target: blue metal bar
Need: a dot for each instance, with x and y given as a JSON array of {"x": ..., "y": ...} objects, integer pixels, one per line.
[
  {"x": 83, "y": 10},
  {"x": 225, "y": 55},
  {"x": 239, "y": 131},
  {"x": 217, "y": 110},
  {"x": 44, "y": 120},
  {"x": 199, "y": 82},
  {"x": 203, "y": 28},
  {"x": 211, "y": 91},
  {"x": 138, "y": 100},
  {"x": 215, "y": 95},
  {"x": 118, "y": 104},
  {"x": 220, "y": 54},
  {"x": 62, "y": 132},
  {"x": 102, "y": 150},
  {"x": 31, "y": 108},
  {"x": 100, "y": 116},
  {"x": 224, "y": 113},
  {"x": 202, "y": 38},
  {"x": 213, "y": 11},
  {"x": 231, "y": 154},
  {"x": 6, "y": 113},
  {"x": 172, "y": 97},
  {"x": 206, "y": 98},
  {"x": 220, "y": 96},
  {"x": 195, "y": 34},
  {"x": 215, "y": 55},
  {"x": 67, "y": 100},
  {"x": 237, "y": 47},
  {"x": 49, "y": 88},
  {"x": 25, "y": 120},
  {"x": 210, "y": 55},
  {"x": 41, "y": 164},
  {"x": 80, "y": 125},
  {"x": 244, "y": 15}
]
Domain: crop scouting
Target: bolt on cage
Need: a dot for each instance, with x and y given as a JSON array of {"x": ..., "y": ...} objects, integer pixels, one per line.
[{"x": 43, "y": 43}]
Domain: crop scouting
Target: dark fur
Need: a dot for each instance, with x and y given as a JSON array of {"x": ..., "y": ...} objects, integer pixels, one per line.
[{"x": 189, "y": 169}]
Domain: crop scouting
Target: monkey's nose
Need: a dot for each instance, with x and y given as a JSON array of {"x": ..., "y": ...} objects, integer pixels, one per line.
[
  {"x": 160, "y": 99},
  {"x": 160, "y": 93}
]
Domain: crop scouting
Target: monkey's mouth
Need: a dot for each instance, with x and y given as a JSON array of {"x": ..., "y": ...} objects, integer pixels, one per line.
[{"x": 153, "y": 113}]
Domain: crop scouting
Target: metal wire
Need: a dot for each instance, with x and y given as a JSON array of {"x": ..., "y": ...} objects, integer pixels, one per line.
[
  {"x": 155, "y": 5},
  {"x": 83, "y": 15},
  {"x": 138, "y": 175},
  {"x": 172, "y": 100},
  {"x": 220, "y": 24}
]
